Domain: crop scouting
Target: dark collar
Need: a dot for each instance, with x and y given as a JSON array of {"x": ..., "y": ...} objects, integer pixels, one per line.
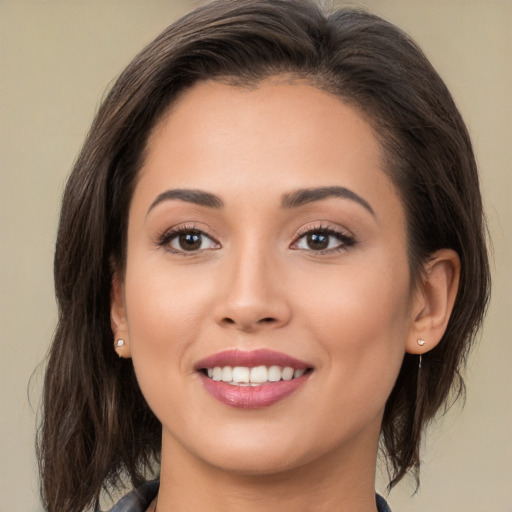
[{"x": 139, "y": 499}]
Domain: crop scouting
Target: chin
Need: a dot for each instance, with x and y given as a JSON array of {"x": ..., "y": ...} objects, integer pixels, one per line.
[
  {"x": 254, "y": 463},
  {"x": 245, "y": 451}
]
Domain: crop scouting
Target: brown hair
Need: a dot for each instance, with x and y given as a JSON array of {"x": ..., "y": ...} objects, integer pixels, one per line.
[{"x": 97, "y": 427}]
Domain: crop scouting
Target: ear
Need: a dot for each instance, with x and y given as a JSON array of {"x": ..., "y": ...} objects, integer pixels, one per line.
[
  {"x": 118, "y": 319},
  {"x": 433, "y": 301}
]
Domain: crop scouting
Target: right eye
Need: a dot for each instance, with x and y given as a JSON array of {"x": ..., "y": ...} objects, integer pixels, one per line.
[
  {"x": 323, "y": 240},
  {"x": 188, "y": 241}
]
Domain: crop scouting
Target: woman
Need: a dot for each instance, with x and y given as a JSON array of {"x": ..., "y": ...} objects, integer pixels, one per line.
[{"x": 275, "y": 223}]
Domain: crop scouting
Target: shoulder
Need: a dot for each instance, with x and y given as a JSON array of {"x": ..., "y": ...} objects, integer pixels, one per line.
[{"x": 137, "y": 500}]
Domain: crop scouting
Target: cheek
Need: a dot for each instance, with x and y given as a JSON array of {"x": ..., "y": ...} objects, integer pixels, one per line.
[
  {"x": 361, "y": 319},
  {"x": 165, "y": 312}
]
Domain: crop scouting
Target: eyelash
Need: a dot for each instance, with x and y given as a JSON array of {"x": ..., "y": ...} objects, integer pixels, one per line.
[
  {"x": 346, "y": 241},
  {"x": 165, "y": 239}
]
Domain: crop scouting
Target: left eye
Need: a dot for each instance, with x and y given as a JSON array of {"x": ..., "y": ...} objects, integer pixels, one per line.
[
  {"x": 323, "y": 240},
  {"x": 190, "y": 241}
]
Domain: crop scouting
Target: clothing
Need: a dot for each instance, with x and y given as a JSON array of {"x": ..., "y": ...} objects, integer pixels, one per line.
[
  {"x": 382, "y": 506},
  {"x": 139, "y": 499}
]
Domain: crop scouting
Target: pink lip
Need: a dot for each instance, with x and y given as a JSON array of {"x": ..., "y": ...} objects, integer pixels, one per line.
[{"x": 251, "y": 397}]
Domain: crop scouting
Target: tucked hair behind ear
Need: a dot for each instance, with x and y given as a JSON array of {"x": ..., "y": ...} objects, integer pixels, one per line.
[{"x": 97, "y": 428}]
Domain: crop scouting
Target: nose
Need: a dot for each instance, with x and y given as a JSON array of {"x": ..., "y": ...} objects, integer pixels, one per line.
[{"x": 253, "y": 296}]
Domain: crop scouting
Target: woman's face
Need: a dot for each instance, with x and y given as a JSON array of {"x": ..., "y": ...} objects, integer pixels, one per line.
[{"x": 263, "y": 233}]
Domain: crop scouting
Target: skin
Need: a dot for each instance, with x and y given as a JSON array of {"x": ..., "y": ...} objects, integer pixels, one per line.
[{"x": 350, "y": 311}]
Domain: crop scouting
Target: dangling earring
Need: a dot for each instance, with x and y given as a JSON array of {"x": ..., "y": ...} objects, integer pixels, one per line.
[{"x": 420, "y": 343}]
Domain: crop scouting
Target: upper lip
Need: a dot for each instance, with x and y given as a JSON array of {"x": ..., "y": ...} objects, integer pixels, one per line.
[{"x": 251, "y": 358}]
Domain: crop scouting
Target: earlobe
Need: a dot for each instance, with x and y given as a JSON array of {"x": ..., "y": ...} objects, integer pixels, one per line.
[
  {"x": 118, "y": 320},
  {"x": 435, "y": 298}
]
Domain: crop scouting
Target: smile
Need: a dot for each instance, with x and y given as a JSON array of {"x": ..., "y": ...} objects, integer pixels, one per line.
[
  {"x": 256, "y": 376},
  {"x": 252, "y": 379}
]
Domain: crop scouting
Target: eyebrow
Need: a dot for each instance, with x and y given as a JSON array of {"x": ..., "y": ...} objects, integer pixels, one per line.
[
  {"x": 198, "y": 197},
  {"x": 309, "y": 195},
  {"x": 291, "y": 200}
]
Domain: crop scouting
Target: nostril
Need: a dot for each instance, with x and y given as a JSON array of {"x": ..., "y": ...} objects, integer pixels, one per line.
[{"x": 249, "y": 324}]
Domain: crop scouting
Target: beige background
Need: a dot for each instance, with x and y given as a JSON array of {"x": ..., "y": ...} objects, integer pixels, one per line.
[{"x": 58, "y": 57}]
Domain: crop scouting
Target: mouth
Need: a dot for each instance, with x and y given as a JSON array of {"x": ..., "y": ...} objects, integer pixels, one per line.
[
  {"x": 255, "y": 376},
  {"x": 252, "y": 379}
]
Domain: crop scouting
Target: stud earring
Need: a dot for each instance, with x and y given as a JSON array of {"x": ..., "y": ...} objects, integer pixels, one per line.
[{"x": 118, "y": 344}]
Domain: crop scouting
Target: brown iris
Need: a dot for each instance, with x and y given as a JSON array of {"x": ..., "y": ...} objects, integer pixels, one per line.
[
  {"x": 190, "y": 241},
  {"x": 317, "y": 241}
]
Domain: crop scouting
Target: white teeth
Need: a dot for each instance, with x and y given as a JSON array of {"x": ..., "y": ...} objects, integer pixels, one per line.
[
  {"x": 253, "y": 376},
  {"x": 227, "y": 374},
  {"x": 217, "y": 373},
  {"x": 287, "y": 373},
  {"x": 274, "y": 373},
  {"x": 259, "y": 374},
  {"x": 241, "y": 374}
]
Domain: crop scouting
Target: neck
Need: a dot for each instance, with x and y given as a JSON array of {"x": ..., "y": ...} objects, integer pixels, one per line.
[{"x": 341, "y": 482}]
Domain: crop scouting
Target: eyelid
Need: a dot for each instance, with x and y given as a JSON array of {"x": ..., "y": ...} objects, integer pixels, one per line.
[{"x": 323, "y": 226}]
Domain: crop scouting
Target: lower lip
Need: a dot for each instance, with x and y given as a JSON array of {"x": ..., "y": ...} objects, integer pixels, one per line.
[{"x": 252, "y": 397}]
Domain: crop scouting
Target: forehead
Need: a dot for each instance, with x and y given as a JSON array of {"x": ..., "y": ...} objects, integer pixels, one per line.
[
  {"x": 258, "y": 140},
  {"x": 296, "y": 110}
]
